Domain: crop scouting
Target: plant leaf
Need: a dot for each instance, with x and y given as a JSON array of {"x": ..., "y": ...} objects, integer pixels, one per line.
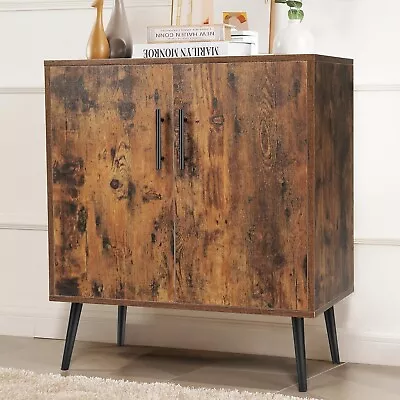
[
  {"x": 294, "y": 4},
  {"x": 295, "y": 13},
  {"x": 280, "y": 1}
]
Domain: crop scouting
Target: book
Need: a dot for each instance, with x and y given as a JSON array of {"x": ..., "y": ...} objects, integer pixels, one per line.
[
  {"x": 244, "y": 33},
  {"x": 248, "y": 37},
  {"x": 191, "y": 49},
  {"x": 188, "y": 33}
]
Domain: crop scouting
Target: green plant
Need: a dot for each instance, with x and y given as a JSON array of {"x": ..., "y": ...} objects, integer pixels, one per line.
[{"x": 295, "y": 11}]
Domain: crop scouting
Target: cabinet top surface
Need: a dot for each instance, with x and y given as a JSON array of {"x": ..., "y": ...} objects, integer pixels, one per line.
[{"x": 202, "y": 60}]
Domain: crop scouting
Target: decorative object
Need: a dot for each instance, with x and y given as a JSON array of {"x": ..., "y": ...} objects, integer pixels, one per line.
[
  {"x": 24, "y": 385},
  {"x": 98, "y": 46},
  {"x": 118, "y": 33},
  {"x": 253, "y": 15},
  {"x": 237, "y": 19},
  {"x": 295, "y": 38},
  {"x": 213, "y": 186},
  {"x": 188, "y": 12}
]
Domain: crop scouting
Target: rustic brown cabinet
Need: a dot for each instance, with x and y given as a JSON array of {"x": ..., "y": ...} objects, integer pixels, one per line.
[{"x": 222, "y": 184}]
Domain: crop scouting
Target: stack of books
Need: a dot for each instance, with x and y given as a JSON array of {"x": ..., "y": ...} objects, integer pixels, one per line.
[{"x": 196, "y": 41}]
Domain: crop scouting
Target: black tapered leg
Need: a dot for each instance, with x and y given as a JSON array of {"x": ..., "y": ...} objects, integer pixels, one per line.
[
  {"x": 74, "y": 316},
  {"x": 332, "y": 335},
  {"x": 121, "y": 325},
  {"x": 300, "y": 351}
]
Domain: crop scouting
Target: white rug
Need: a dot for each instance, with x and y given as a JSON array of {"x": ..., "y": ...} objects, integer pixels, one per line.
[{"x": 25, "y": 385}]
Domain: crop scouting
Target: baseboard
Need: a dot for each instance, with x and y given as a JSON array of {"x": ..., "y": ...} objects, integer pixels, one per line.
[
  {"x": 201, "y": 331},
  {"x": 48, "y": 5}
]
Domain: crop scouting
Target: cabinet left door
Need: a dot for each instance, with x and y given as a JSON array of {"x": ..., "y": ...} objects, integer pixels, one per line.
[{"x": 110, "y": 207}]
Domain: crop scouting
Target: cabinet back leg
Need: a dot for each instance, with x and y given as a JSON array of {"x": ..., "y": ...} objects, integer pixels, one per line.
[
  {"x": 121, "y": 325},
  {"x": 300, "y": 351},
  {"x": 332, "y": 335},
  {"x": 74, "y": 316}
]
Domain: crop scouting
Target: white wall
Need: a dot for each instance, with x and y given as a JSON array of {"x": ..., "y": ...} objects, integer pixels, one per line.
[{"x": 368, "y": 321}]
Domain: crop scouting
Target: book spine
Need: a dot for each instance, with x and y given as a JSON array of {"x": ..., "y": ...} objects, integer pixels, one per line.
[
  {"x": 181, "y": 50},
  {"x": 174, "y": 34}
]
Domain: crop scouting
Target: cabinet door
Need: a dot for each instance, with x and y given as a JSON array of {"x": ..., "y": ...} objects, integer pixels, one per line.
[
  {"x": 110, "y": 209},
  {"x": 241, "y": 224}
]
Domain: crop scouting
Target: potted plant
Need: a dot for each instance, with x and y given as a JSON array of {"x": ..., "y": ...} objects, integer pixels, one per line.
[{"x": 295, "y": 38}]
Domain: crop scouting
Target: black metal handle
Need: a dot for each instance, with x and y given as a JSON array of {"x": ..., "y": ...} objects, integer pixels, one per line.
[
  {"x": 158, "y": 139},
  {"x": 181, "y": 140}
]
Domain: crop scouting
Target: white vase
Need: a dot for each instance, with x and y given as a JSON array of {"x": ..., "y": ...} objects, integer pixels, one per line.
[{"x": 294, "y": 39}]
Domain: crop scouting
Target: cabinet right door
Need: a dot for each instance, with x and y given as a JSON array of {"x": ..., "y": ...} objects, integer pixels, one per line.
[{"x": 241, "y": 198}]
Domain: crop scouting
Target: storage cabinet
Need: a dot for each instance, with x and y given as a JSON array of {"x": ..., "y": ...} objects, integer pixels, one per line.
[{"x": 222, "y": 184}]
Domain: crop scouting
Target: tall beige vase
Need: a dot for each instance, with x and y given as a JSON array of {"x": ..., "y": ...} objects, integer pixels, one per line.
[
  {"x": 118, "y": 33},
  {"x": 98, "y": 46}
]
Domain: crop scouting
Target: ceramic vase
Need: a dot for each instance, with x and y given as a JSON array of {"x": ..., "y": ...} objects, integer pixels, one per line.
[
  {"x": 118, "y": 33},
  {"x": 294, "y": 39},
  {"x": 98, "y": 46}
]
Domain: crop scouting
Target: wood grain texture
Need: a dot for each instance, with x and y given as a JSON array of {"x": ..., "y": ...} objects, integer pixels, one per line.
[
  {"x": 202, "y": 60},
  {"x": 185, "y": 306},
  {"x": 334, "y": 239},
  {"x": 259, "y": 221},
  {"x": 241, "y": 202},
  {"x": 111, "y": 211}
]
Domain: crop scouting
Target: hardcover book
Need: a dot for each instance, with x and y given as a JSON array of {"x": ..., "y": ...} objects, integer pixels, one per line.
[
  {"x": 192, "y": 49},
  {"x": 247, "y": 37},
  {"x": 188, "y": 33}
]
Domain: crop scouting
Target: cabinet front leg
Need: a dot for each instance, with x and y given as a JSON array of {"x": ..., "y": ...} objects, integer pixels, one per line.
[
  {"x": 300, "y": 351},
  {"x": 74, "y": 316},
  {"x": 121, "y": 325},
  {"x": 332, "y": 335}
]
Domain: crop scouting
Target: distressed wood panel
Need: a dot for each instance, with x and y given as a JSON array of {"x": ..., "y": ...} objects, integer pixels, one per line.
[
  {"x": 110, "y": 210},
  {"x": 334, "y": 241},
  {"x": 202, "y": 60},
  {"x": 241, "y": 225},
  {"x": 261, "y": 219}
]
